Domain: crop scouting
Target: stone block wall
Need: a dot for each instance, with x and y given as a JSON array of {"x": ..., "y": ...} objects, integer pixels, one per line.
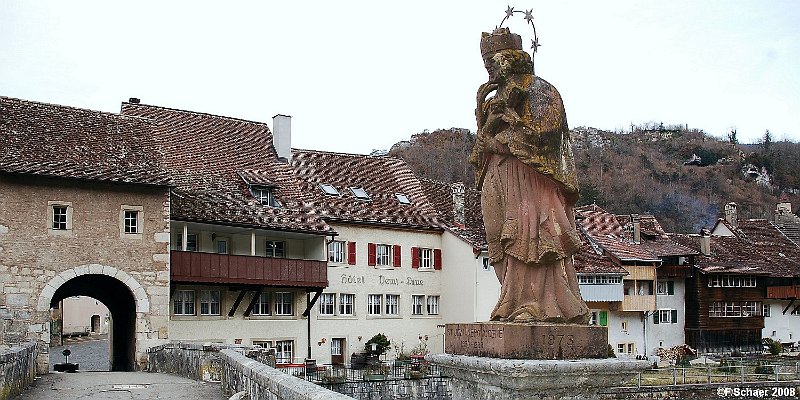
[
  {"x": 36, "y": 260},
  {"x": 17, "y": 368},
  {"x": 433, "y": 388}
]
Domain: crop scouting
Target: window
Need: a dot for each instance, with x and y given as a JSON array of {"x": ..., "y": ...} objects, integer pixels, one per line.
[
  {"x": 275, "y": 249},
  {"x": 626, "y": 348},
  {"x": 433, "y": 305},
  {"x": 191, "y": 242},
  {"x": 735, "y": 309},
  {"x": 402, "y": 199},
  {"x": 417, "y": 301},
  {"x": 284, "y": 303},
  {"x": 425, "y": 258},
  {"x": 60, "y": 217},
  {"x": 265, "y": 195},
  {"x": 374, "y": 304},
  {"x": 359, "y": 193},
  {"x": 665, "y": 316},
  {"x": 732, "y": 281},
  {"x": 262, "y": 305},
  {"x": 624, "y": 326},
  {"x": 599, "y": 280},
  {"x": 283, "y": 351},
  {"x": 392, "y": 301},
  {"x": 131, "y": 221},
  {"x": 326, "y": 304},
  {"x": 765, "y": 310},
  {"x": 266, "y": 344},
  {"x": 346, "y": 301},
  {"x": 665, "y": 288},
  {"x": 593, "y": 318},
  {"x": 336, "y": 251},
  {"x": 329, "y": 189},
  {"x": 209, "y": 302},
  {"x": 383, "y": 255},
  {"x": 222, "y": 246},
  {"x": 336, "y": 346},
  {"x": 486, "y": 263},
  {"x": 183, "y": 302},
  {"x": 644, "y": 288}
]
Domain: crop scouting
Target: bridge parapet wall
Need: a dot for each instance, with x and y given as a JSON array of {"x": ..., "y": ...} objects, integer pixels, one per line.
[
  {"x": 236, "y": 371},
  {"x": 17, "y": 368}
]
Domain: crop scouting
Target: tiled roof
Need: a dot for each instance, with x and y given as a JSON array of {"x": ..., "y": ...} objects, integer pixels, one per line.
[
  {"x": 471, "y": 230},
  {"x": 791, "y": 230},
  {"x": 589, "y": 261},
  {"x": 614, "y": 233},
  {"x": 757, "y": 247},
  {"x": 380, "y": 176},
  {"x": 212, "y": 158},
  {"x": 67, "y": 142}
]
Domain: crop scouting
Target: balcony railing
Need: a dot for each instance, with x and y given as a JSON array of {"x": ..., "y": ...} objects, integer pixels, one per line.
[
  {"x": 190, "y": 266},
  {"x": 638, "y": 303},
  {"x": 783, "y": 292}
]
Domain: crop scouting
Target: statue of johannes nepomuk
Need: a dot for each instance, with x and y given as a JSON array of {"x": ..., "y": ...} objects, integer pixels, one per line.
[{"x": 526, "y": 175}]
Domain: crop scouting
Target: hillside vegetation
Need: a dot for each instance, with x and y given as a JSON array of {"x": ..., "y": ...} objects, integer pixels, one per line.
[{"x": 683, "y": 177}]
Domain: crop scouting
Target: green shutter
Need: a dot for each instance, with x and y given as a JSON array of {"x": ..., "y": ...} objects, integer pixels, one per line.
[
  {"x": 603, "y": 318},
  {"x": 655, "y": 317},
  {"x": 674, "y": 316},
  {"x": 670, "y": 287}
]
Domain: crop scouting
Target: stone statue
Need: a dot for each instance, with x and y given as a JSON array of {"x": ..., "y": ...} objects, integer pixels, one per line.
[{"x": 526, "y": 175}]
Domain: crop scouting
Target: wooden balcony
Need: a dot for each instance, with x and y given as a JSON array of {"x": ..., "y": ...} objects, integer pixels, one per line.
[
  {"x": 783, "y": 292},
  {"x": 195, "y": 267},
  {"x": 638, "y": 303}
]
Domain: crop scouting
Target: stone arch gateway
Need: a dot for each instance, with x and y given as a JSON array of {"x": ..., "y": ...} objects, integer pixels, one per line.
[{"x": 121, "y": 293}]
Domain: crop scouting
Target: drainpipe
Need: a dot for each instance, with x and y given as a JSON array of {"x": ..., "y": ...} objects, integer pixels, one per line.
[{"x": 308, "y": 324}]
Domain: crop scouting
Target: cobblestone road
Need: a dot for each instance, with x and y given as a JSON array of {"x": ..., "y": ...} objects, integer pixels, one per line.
[
  {"x": 119, "y": 385},
  {"x": 89, "y": 352}
]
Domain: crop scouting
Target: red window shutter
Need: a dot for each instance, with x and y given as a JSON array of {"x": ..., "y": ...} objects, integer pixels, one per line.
[
  {"x": 415, "y": 257},
  {"x": 437, "y": 258},
  {"x": 396, "y": 255},
  {"x": 351, "y": 253},
  {"x": 371, "y": 254}
]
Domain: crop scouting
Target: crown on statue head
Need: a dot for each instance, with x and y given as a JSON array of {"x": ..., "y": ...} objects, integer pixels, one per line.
[{"x": 500, "y": 39}]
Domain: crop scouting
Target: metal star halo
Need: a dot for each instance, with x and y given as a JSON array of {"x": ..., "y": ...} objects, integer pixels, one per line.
[{"x": 510, "y": 11}]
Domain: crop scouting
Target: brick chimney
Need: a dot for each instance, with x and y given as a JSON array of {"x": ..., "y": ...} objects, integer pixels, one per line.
[
  {"x": 282, "y": 136},
  {"x": 705, "y": 242},
  {"x": 731, "y": 214},
  {"x": 637, "y": 228},
  {"x": 457, "y": 189}
]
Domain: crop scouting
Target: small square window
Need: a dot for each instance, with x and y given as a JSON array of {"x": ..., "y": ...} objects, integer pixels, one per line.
[
  {"x": 360, "y": 193},
  {"x": 60, "y": 217},
  {"x": 131, "y": 221},
  {"x": 487, "y": 265},
  {"x": 403, "y": 199},
  {"x": 276, "y": 249},
  {"x": 330, "y": 190},
  {"x": 265, "y": 195}
]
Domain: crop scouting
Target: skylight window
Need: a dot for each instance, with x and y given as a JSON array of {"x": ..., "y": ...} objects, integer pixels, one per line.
[
  {"x": 329, "y": 189},
  {"x": 403, "y": 199},
  {"x": 360, "y": 193}
]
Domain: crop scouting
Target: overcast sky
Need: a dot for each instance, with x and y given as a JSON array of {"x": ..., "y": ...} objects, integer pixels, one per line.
[{"x": 357, "y": 76}]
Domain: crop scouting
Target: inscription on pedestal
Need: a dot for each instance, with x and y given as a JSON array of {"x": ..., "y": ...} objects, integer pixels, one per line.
[{"x": 526, "y": 341}]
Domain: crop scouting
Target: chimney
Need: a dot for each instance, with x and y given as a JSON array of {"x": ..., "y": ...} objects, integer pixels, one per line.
[
  {"x": 730, "y": 214},
  {"x": 705, "y": 242},
  {"x": 133, "y": 100},
  {"x": 457, "y": 189},
  {"x": 282, "y": 136},
  {"x": 637, "y": 228}
]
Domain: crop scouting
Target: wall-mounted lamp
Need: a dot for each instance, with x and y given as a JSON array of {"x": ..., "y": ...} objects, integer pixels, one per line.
[{"x": 321, "y": 341}]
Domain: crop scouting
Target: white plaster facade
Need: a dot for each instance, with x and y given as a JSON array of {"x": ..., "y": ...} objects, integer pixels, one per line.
[
  {"x": 784, "y": 328},
  {"x": 84, "y": 315},
  {"x": 471, "y": 288}
]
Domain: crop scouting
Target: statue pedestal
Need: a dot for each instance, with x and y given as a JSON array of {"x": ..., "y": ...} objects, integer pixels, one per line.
[
  {"x": 502, "y": 379},
  {"x": 539, "y": 341}
]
